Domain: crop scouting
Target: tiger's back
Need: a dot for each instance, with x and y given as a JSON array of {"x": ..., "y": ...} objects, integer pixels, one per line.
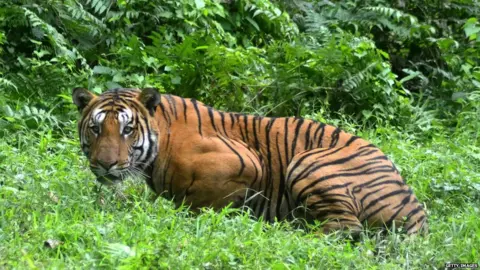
[{"x": 278, "y": 167}]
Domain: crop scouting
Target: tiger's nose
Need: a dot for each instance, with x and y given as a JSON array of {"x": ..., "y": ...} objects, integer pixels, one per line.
[{"x": 107, "y": 165}]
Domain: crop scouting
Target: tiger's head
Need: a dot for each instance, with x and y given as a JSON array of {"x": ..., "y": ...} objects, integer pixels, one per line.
[{"x": 117, "y": 131}]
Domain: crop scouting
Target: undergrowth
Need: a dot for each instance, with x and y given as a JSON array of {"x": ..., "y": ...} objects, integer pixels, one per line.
[{"x": 48, "y": 194}]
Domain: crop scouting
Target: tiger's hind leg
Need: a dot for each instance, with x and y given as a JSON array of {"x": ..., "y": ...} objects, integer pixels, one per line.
[
  {"x": 323, "y": 197},
  {"x": 352, "y": 185}
]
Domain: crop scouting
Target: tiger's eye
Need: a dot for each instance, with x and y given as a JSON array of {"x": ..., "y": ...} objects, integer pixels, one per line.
[
  {"x": 127, "y": 130},
  {"x": 95, "y": 129}
]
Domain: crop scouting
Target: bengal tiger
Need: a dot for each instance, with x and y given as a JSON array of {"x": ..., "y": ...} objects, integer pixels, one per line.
[{"x": 280, "y": 168}]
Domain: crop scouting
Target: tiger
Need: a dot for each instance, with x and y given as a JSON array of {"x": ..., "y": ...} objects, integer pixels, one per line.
[{"x": 280, "y": 168}]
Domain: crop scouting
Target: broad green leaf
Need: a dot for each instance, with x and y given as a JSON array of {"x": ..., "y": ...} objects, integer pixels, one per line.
[
  {"x": 200, "y": 4},
  {"x": 176, "y": 80},
  {"x": 252, "y": 22},
  {"x": 102, "y": 70}
]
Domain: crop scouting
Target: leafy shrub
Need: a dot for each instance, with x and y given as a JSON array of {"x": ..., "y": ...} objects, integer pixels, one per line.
[{"x": 378, "y": 61}]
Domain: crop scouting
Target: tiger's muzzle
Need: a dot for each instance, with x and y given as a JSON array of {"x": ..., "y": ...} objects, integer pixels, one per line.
[{"x": 109, "y": 173}]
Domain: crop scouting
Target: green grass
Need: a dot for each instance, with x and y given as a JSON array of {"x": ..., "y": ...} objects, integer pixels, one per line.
[{"x": 47, "y": 192}]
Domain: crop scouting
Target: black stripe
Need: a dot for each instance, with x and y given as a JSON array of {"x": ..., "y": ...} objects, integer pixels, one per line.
[
  {"x": 320, "y": 191},
  {"x": 222, "y": 117},
  {"x": 359, "y": 187},
  {"x": 152, "y": 145},
  {"x": 334, "y": 137},
  {"x": 400, "y": 207},
  {"x": 307, "y": 136},
  {"x": 171, "y": 103},
  {"x": 383, "y": 157},
  {"x": 259, "y": 128},
  {"x": 297, "y": 131},
  {"x": 375, "y": 212},
  {"x": 369, "y": 152},
  {"x": 136, "y": 119},
  {"x": 360, "y": 167},
  {"x": 414, "y": 212},
  {"x": 164, "y": 112},
  {"x": 269, "y": 187},
  {"x": 232, "y": 119},
  {"x": 212, "y": 121},
  {"x": 255, "y": 135},
  {"x": 184, "y": 109},
  {"x": 399, "y": 183},
  {"x": 415, "y": 223},
  {"x": 194, "y": 102},
  {"x": 353, "y": 199},
  {"x": 330, "y": 188},
  {"x": 380, "y": 169},
  {"x": 237, "y": 116},
  {"x": 323, "y": 215},
  {"x": 287, "y": 160},
  {"x": 300, "y": 175},
  {"x": 281, "y": 188},
  {"x": 245, "y": 122},
  {"x": 368, "y": 195},
  {"x": 367, "y": 146},
  {"x": 322, "y": 133},
  {"x": 121, "y": 106},
  {"x": 404, "y": 201},
  {"x": 331, "y": 202},
  {"x": 352, "y": 140},
  {"x": 319, "y": 126},
  {"x": 242, "y": 162},
  {"x": 386, "y": 196}
]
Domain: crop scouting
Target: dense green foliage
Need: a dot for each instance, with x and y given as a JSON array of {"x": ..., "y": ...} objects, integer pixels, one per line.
[{"x": 404, "y": 74}]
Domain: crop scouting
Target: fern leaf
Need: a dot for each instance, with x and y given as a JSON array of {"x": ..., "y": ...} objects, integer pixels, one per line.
[
  {"x": 357, "y": 79},
  {"x": 8, "y": 84}
]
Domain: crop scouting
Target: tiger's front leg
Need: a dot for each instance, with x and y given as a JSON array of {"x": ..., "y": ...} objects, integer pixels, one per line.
[{"x": 214, "y": 173}]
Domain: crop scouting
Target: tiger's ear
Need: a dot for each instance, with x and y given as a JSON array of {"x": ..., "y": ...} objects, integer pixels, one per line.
[
  {"x": 81, "y": 97},
  {"x": 150, "y": 98}
]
